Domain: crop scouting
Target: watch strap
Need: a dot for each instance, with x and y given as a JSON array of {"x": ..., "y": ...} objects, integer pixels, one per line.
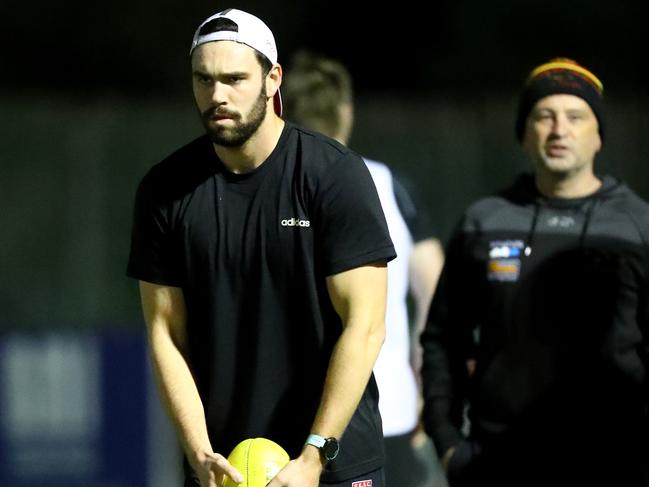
[{"x": 315, "y": 440}]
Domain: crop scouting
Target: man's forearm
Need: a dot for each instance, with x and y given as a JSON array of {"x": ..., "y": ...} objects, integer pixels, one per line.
[
  {"x": 180, "y": 396},
  {"x": 358, "y": 296},
  {"x": 349, "y": 370},
  {"x": 166, "y": 320},
  {"x": 424, "y": 268}
]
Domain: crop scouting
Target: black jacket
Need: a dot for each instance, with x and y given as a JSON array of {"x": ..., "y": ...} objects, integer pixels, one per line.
[{"x": 550, "y": 298}]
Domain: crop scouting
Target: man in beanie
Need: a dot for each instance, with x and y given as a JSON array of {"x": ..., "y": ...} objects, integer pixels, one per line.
[
  {"x": 261, "y": 251},
  {"x": 537, "y": 341}
]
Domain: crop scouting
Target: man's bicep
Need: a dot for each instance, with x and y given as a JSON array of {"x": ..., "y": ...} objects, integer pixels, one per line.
[
  {"x": 164, "y": 311},
  {"x": 359, "y": 291}
]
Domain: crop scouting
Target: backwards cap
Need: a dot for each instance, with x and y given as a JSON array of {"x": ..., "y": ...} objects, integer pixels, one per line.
[
  {"x": 239, "y": 26},
  {"x": 560, "y": 76}
]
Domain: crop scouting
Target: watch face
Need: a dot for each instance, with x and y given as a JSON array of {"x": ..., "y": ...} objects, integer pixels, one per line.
[{"x": 330, "y": 449}]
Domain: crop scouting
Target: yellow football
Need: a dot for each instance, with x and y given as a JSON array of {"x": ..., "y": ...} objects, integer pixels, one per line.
[{"x": 258, "y": 460}]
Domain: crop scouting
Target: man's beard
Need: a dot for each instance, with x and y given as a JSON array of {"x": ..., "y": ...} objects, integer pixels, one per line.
[{"x": 242, "y": 131}]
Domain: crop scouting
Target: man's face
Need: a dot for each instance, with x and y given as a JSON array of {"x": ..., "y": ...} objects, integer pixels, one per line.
[
  {"x": 562, "y": 135},
  {"x": 229, "y": 91}
]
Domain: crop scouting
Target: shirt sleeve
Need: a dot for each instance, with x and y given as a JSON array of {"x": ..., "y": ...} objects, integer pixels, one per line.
[
  {"x": 351, "y": 230},
  {"x": 412, "y": 210},
  {"x": 152, "y": 256}
]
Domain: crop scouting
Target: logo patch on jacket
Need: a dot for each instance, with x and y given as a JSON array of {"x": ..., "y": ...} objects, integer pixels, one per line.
[
  {"x": 504, "y": 262},
  {"x": 362, "y": 483}
]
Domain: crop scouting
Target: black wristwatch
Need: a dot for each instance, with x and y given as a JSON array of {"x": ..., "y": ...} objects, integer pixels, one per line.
[{"x": 329, "y": 447}]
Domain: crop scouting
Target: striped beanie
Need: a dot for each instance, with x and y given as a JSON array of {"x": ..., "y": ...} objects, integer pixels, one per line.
[{"x": 560, "y": 76}]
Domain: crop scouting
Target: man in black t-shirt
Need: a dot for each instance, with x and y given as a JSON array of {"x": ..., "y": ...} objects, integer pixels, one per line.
[{"x": 261, "y": 252}]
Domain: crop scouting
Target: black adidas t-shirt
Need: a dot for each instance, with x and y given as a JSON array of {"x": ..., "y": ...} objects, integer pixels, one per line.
[{"x": 251, "y": 253}]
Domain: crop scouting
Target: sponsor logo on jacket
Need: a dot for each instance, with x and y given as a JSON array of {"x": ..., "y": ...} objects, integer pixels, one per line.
[
  {"x": 504, "y": 264},
  {"x": 362, "y": 483}
]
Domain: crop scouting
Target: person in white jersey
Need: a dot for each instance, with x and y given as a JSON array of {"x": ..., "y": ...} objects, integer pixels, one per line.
[{"x": 317, "y": 95}]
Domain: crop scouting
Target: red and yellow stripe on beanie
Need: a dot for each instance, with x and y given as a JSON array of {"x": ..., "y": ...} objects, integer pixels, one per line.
[{"x": 560, "y": 76}]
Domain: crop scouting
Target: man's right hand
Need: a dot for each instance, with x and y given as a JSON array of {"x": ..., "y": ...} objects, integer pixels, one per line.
[
  {"x": 211, "y": 469},
  {"x": 304, "y": 471}
]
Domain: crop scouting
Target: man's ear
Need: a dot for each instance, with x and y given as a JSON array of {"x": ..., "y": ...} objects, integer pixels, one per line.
[{"x": 273, "y": 80}]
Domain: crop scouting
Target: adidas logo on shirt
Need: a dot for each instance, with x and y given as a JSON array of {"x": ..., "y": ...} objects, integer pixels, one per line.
[{"x": 295, "y": 222}]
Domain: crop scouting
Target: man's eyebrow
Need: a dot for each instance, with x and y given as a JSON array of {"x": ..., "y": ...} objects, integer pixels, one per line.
[
  {"x": 200, "y": 72},
  {"x": 204, "y": 72},
  {"x": 235, "y": 73}
]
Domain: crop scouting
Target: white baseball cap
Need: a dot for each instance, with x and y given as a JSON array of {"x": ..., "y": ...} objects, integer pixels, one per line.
[{"x": 244, "y": 28}]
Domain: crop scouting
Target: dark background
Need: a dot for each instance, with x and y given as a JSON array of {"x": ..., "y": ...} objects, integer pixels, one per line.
[
  {"x": 139, "y": 48},
  {"x": 93, "y": 94}
]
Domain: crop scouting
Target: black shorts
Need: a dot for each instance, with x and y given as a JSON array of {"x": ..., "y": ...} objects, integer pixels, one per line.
[{"x": 375, "y": 478}]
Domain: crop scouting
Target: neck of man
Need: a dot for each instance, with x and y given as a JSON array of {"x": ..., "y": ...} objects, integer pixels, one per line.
[
  {"x": 253, "y": 152},
  {"x": 576, "y": 184}
]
